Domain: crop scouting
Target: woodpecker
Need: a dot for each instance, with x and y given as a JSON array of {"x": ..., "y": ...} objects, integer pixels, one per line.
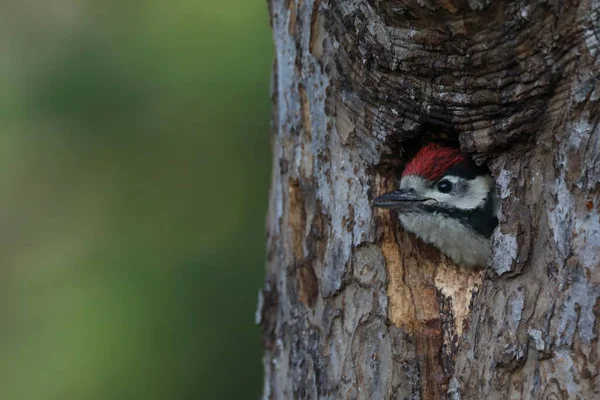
[{"x": 447, "y": 200}]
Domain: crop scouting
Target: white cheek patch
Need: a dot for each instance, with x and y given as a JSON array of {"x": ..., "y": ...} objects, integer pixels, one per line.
[{"x": 475, "y": 194}]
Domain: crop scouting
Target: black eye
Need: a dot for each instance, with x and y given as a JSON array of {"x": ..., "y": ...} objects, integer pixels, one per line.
[{"x": 445, "y": 186}]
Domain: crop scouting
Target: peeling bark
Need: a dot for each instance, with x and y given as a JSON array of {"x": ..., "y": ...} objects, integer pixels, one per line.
[{"x": 353, "y": 306}]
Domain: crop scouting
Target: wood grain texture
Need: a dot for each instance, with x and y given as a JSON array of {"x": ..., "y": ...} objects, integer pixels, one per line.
[{"x": 354, "y": 307}]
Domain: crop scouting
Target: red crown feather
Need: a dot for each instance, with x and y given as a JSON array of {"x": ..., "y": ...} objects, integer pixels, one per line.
[{"x": 433, "y": 160}]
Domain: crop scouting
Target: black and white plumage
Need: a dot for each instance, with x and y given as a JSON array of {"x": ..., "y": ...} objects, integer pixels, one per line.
[{"x": 448, "y": 201}]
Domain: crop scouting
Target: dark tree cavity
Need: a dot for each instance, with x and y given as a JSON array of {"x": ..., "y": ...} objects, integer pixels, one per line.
[{"x": 354, "y": 307}]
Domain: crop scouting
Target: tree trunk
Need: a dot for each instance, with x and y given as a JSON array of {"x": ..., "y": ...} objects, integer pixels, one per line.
[{"x": 354, "y": 307}]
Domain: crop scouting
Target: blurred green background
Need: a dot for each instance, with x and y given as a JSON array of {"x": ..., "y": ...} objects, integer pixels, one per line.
[{"x": 134, "y": 171}]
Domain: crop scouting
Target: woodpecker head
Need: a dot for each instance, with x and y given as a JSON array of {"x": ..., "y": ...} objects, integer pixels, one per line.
[{"x": 449, "y": 201}]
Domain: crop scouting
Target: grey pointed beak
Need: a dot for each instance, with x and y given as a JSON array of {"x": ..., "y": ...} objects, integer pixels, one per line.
[{"x": 402, "y": 199}]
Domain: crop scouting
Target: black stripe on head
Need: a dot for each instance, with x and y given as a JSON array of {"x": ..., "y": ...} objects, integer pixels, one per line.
[{"x": 467, "y": 170}]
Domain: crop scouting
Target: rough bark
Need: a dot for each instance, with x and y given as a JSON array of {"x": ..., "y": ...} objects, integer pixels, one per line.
[{"x": 353, "y": 307}]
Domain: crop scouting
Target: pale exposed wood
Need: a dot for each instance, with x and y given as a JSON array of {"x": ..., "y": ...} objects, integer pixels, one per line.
[{"x": 353, "y": 307}]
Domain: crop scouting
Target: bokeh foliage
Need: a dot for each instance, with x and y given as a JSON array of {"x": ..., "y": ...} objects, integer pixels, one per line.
[{"x": 134, "y": 170}]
